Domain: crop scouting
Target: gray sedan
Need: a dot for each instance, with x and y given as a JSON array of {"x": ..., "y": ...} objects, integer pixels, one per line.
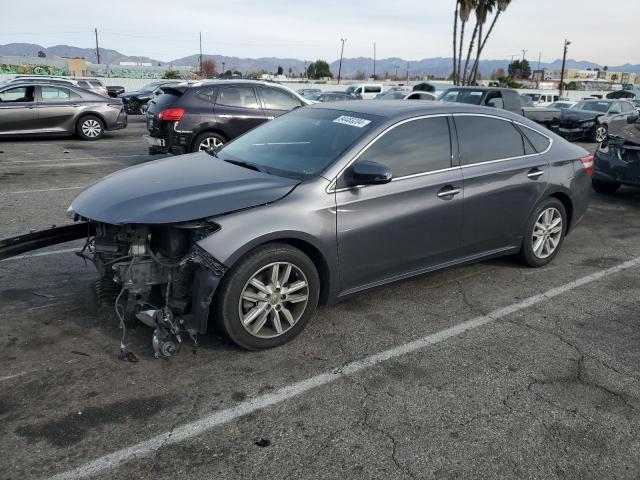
[
  {"x": 324, "y": 202},
  {"x": 30, "y": 108}
]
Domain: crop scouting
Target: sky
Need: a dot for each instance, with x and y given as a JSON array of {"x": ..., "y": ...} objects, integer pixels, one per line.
[{"x": 312, "y": 29}]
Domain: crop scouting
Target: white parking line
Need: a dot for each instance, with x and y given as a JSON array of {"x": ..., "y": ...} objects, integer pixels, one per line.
[
  {"x": 41, "y": 254},
  {"x": 260, "y": 402},
  {"x": 43, "y": 190},
  {"x": 69, "y": 159}
]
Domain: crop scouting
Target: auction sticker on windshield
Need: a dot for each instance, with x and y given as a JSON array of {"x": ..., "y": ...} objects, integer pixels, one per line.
[{"x": 353, "y": 121}]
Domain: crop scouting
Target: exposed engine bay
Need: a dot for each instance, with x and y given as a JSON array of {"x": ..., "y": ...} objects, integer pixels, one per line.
[{"x": 159, "y": 275}]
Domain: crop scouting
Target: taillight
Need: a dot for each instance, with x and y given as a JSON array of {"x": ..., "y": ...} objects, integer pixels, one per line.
[
  {"x": 587, "y": 163},
  {"x": 171, "y": 114}
]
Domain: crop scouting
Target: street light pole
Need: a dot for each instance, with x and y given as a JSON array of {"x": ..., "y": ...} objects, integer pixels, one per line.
[
  {"x": 564, "y": 60},
  {"x": 374, "y": 60},
  {"x": 343, "y": 40}
]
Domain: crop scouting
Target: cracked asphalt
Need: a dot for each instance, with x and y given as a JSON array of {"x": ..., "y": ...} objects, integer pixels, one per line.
[{"x": 549, "y": 391}]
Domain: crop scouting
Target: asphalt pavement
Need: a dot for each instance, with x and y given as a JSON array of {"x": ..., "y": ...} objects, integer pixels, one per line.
[{"x": 491, "y": 370}]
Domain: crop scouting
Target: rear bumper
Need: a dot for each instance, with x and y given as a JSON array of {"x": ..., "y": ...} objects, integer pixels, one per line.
[
  {"x": 120, "y": 122},
  {"x": 165, "y": 139}
]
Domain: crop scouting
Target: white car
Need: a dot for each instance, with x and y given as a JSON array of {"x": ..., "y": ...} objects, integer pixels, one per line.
[
  {"x": 406, "y": 95},
  {"x": 366, "y": 91}
]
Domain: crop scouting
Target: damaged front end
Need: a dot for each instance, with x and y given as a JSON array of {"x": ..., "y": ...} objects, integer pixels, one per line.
[
  {"x": 617, "y": 159},
  {"x": 157, "y": 274}
]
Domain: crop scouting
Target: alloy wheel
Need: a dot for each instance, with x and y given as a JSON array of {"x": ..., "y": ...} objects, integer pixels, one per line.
[
  {"x": 91, "y": 128},
  {"x": 547, "y": 233},
  {"x": 273, "y": 300},
  {"x": 601, "y": 133},
  {"x": 209, "y": 143}
]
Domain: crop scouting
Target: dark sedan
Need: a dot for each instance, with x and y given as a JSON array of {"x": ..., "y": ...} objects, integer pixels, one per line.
[
  {"x": 331, "y": 97},
  {"x": 206, "y": 115},
  {"x": 591, "y": 118},
  {"x": 324, "y": 202},
  {"x": 30, "y": 108},
  {"x": 136, "y": 102},
  {"x": 617, "y": 160}
]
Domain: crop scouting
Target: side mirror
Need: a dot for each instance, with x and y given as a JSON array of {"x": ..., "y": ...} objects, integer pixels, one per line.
[
  {"x": 368, "y": 173},
  {"x": 633, "y": 118}
]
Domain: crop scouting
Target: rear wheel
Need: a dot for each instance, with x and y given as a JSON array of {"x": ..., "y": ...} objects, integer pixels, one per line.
[
  {"x": 208, "y": 142},
  {"x": 545, "y": 233},
  {"x": 604, "y": 187},
  {"x": 90, "y": 127},
  {"x": 268, "y": 297}
]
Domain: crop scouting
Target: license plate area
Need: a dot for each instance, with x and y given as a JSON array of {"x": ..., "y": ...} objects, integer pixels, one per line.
[{"x": 153, "y": 141}]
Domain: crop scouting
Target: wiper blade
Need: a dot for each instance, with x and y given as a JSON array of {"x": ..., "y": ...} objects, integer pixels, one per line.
[{"x": 248, "y": 165}]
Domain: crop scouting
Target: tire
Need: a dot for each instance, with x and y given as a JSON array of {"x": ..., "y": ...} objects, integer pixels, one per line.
[
  {"x": 142, "y": 109},
  {"x": 264, "y": 310},
  {"x": 600, "y": 133},
  {"x": 90, "y": 127},
  {"x": 538, "y": 257},
  {"x": 215, "y": 141},
  {"x": 604, "y": 187}
]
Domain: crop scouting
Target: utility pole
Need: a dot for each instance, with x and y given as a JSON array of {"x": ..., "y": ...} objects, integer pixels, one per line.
[
  {"x": 343, "y": 40},
  {"x": 201, "y": 54},
  {"x": 374, "y": 60},
  {"x": 97, "y": 47},
  {"x": 564, "y": 60},
  {"x": 223, "y": 70},
  {"x": 396, "y": 75},
  {"x": 407, "y": 73}
]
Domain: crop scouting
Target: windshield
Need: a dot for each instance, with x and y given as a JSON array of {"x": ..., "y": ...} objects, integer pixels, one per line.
[
  {"x": 301, "y": 143},
  {"x": 592, "y": 106},
  {"x": 150, "y": 87},
  {"x": 560, "y": 105},
  {"x": 473, "y": 97},
  {"x": 395, "y": 95},
  {"x": 351, "y": 89}
]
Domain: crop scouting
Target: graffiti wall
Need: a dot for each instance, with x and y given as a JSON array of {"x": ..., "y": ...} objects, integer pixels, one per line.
[{"x": 32, "y": 69}]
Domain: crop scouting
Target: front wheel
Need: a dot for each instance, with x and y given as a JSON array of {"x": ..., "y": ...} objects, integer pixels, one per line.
[
  {"x": 604, "y": 187},
  {"x": 268, "y": 297},
  {"x": 90, "y": 127},
  {"x": 545, "y": 233},
  {"x": 600, "y": 133},
  {"x": 142, "y": 109}
]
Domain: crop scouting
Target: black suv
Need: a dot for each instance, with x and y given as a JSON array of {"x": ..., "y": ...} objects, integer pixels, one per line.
[{"x": 204, "y": 116}]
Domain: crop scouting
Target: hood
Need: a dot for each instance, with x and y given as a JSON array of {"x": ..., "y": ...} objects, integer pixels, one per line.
[
  {"x": 578, "y": 115},
  {"x": 135, "y": 94},
  {"x": 178, "y": 189}
]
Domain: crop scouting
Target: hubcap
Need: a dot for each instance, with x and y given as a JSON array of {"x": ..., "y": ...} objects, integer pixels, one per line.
[
  {"x": 601, "y": 133},
  {"x": 547, "y": 233},
  {"x": 273, "y": 300},
  {"x": 210, "y": 143},
  {"x": 91, "y": 128}
]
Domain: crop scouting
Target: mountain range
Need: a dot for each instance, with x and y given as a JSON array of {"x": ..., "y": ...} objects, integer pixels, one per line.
[{"x": 438, "y": 66}]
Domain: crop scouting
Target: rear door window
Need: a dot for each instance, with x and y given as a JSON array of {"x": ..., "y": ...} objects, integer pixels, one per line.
[
  {"x": 417, "y": 146},
  {"x": 242, "y": 97},
  {"x": 275, "y": 99},
  {"x": 372, "y": 89},
  {"x": 484, "y": 139},
  {"x": 540, "y": 142},
  {"x": 56, "y": 94}
]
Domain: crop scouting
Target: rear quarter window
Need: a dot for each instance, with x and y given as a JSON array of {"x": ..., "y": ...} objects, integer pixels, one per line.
[{"x": 540, "y": 142}]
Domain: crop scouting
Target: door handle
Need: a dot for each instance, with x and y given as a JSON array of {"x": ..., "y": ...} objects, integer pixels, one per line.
[
  {"x": 535, "y": 173},
  {"x": 448, "y": 192}
]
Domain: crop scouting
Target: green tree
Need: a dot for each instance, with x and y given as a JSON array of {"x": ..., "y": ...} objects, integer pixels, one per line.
[
  {"x": 172, "y": 74},
  {"x": 319, "y": 69},
  {"x": 502, "y": 6},
  {"x": 465, "y": 7},
  {"x": 280, "y": 70},
  {"x": 483, "y": 8},
  {"x": 519, "y": 69}
]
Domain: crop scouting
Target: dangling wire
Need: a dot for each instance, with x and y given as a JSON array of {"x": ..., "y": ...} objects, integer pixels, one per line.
[{"x": 124, "y": 353}]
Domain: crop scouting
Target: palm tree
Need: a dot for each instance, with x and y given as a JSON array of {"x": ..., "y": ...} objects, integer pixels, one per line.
[
  {"x": 483, "y": 8},
  {"x": 466, "y": 7},
  {"x": 455, "y": 38},
  {"x": 502, "y": 6}
]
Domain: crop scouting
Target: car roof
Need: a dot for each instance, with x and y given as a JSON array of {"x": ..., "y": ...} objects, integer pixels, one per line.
[
  {"x": 400, "y": 108},
  {"x": 484, "y": 89}
]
